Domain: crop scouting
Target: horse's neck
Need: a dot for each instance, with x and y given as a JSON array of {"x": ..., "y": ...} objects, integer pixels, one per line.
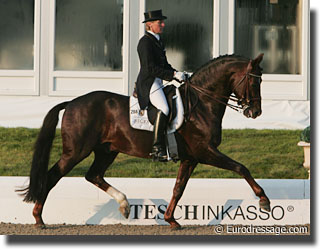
[
  {"x": 216, "y": 91},
  {"x": 216, "y": 87}
]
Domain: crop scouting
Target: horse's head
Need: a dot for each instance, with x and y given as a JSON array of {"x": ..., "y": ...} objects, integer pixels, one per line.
[{"x": 246, "y": 87}]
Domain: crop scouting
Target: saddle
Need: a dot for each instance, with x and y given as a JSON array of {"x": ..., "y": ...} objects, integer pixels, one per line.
[
  {"x": 144, "y": 119},
  {"x": 170, "y": 92}
]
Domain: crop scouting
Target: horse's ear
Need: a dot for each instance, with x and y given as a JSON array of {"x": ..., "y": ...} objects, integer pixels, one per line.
[
  {"x": 254, "y": 63},
  {"x": 258, "y": 60}
]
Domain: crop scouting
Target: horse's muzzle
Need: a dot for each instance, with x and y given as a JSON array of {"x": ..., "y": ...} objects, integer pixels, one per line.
[{"x": 252, "y": 112}]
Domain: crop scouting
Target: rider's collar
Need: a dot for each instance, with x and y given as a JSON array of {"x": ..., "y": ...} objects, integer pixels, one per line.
[{"x": 154, "y": 34}]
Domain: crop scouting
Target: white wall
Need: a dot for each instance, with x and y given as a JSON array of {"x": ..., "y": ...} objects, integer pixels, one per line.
[
  {"x": 30, "y": 112},
  {"x": 204, "y": 202}
]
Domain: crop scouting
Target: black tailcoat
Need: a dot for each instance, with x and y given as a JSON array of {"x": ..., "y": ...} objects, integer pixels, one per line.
[{"x": 153, "y": 62}]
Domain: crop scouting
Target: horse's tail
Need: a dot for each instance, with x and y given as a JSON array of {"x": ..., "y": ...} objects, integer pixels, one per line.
[{"x": 36, "y": 191}]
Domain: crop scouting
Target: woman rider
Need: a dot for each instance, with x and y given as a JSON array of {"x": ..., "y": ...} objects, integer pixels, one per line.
[{"x": 154, "y": 69}]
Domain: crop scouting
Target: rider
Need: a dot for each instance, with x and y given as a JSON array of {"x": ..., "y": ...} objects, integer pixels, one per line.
[{"x": 154, "y": 69}]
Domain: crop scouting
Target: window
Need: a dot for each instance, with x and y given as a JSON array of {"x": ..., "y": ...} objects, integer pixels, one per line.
[
  {"x": 188, "y": 34},
  {"x": 272, "y": 27},
  {"x": 17, "y": 34},
  {"x": 89, "y": 35}
]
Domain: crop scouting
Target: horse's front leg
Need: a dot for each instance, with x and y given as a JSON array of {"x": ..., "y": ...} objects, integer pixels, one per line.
[
  {"x": 215, "y": 158},
  {"x": 184, "y": 173}
]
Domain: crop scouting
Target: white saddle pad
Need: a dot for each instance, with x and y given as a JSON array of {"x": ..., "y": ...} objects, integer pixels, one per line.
[{"x": 139, "y": 118}]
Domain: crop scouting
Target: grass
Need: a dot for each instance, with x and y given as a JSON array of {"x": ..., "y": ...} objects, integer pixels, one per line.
[{"x": 266, "y": 153}]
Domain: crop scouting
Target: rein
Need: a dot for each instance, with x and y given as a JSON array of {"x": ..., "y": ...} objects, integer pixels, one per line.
[{"x": 239, "y": 108}]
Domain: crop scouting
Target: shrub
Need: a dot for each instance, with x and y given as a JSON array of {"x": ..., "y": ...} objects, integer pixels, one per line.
[{"x": 305, "y": 135}]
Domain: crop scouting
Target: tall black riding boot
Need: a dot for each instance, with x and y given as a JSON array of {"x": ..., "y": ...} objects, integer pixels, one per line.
[{"x": 159, "y": 150}]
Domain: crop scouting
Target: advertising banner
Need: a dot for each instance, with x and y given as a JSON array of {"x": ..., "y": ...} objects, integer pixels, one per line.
[{"x": 205, "y": 202}]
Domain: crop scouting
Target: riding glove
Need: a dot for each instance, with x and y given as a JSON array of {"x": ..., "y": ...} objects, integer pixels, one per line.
[{"x": 180, "y": 76}]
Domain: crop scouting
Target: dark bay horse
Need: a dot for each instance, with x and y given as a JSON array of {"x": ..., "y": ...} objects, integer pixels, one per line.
[{"x": 99, "y": 122}]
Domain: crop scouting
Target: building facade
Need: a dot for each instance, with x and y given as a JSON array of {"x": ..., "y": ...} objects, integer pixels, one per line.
[{"x": 60, "y": 49}]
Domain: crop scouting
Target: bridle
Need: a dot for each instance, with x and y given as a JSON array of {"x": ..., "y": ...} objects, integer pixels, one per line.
[
  {"x": 243, "y": 103},
  {"x": 245, "y": 100}
]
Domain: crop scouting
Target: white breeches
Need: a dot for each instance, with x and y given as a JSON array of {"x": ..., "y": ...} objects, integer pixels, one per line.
[{"x": 157, "y": 97}]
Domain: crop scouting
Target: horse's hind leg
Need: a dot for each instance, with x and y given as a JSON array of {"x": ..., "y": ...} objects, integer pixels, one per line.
[
  {"x": 60, "y": 169},
  {"x": 216, "y": 158},
  {"x": 52, "y": 179},
  {"x": 103, "y": 159}
]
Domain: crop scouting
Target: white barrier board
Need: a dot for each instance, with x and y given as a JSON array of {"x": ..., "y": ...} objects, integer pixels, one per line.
[
  {"x": 29, "y": 111},
  {"x": 204, "y": 202}
]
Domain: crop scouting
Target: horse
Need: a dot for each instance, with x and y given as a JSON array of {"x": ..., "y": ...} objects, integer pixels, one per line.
[{"x": 99, "y": 122}]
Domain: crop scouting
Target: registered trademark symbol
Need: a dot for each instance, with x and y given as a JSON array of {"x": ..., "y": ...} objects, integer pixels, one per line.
[{"x": 290, "y": 208}]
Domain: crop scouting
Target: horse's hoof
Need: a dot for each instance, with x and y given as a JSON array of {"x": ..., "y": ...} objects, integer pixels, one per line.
[
  {"x": 40, "y": 226},
  {"x": 125, "y": 210},
  {"x": 265, "y": 205},
  {"x": 175, "y": 226}
]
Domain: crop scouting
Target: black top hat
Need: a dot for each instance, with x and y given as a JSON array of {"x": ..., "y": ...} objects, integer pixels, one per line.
[{"x": 153, "y": 16}]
